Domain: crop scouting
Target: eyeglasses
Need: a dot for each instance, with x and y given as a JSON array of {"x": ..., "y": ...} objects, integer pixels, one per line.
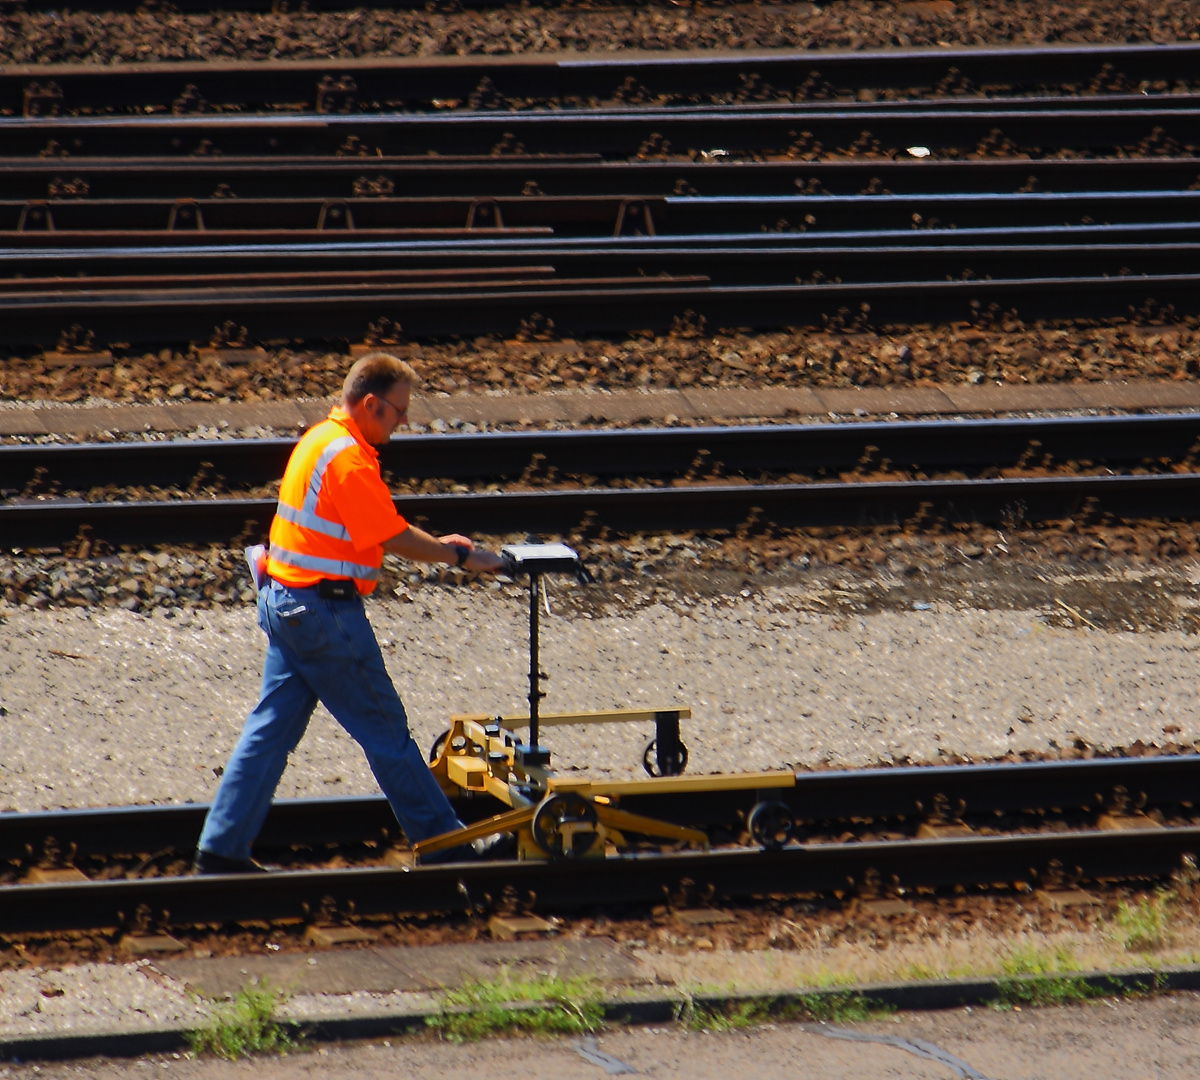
[{"x": 400, "y": 413}]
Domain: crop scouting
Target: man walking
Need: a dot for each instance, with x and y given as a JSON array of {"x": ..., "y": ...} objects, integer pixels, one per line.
[{"x": 334, "y": 521}]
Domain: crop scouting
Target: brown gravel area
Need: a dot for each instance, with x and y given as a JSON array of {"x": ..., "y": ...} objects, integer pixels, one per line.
[
  {"x": 768, "y": 944},
  {"x": 1097, "y": 567},
  {"x": 1008, "y": 353},
  {"x": 102, "y": 38}
]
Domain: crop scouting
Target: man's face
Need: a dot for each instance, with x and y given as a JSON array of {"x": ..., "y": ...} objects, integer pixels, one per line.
[{"x": 386, "y": 412}]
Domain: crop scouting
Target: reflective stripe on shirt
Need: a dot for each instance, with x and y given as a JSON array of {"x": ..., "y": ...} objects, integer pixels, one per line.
[
  {"x": 333, "y": 567},
  {"x": 310, "y": 521},
  {"x": 306, "y": 515}
]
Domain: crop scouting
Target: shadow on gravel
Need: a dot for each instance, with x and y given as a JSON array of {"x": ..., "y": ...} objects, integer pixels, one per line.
[{"x": 1112, "y": 601}]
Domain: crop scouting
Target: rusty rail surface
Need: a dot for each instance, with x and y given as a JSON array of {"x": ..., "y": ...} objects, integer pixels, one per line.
[
  {"x": 1089, "y": 786},
  {"x": 796, "y": 76},
  {"x": 790, "y": 131},
  {"x": 968, "y": 862}
]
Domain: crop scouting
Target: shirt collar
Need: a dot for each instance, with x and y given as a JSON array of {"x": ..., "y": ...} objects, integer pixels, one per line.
[{"x": 339, "y": 416}]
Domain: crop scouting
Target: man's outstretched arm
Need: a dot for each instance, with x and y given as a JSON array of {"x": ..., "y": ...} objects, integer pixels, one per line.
[{"x": 420, "y": 546}]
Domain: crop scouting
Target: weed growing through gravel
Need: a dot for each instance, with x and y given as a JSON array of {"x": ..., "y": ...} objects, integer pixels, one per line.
[
  {"x": 729, "y": 1016},
  {"x": 1042, "y": 990},
  {"x": 545, "y": 1005},
  {"x": 920, "y": 973},
  {"x": 842, "y": 1007},
  {"x": 1036, "y": 977},
  {"x": 1032, "y": 960},
  {"x": 247, "y": 1025},
  {"x": 1145, "y": 926}
]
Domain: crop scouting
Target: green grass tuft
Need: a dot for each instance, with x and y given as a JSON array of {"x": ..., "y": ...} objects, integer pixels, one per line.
[
  {"x": 246, "y": 1026},
  {"x": 842, "y": 1007},
  {"x": 543, "y": 1005},
  {"x": 1031, "y": 960},
  {"x": 729, "y": 1016},
  {"x": 1037, "y": 991},
  {"x": 1037, "y": 977},
  {"x": 1146, "y": 926}
]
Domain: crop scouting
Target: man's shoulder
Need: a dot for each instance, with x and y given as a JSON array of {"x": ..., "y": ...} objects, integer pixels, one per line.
[
  {"x": 349, "y": 455},
  {"x": 352, "y": 456}
]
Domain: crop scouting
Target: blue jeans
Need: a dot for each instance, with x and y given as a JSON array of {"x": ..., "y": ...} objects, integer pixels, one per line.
[{"x": 321, "y": 650}]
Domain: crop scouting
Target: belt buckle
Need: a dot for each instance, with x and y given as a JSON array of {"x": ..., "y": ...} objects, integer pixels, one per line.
[{"x": 331, "y": 589}]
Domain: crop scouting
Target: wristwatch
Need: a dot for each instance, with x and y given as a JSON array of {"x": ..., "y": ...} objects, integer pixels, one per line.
[{"x": 463, "y": 551}]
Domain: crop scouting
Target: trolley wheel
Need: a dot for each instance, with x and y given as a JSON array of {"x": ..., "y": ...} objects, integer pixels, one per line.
[
  {"x": 771, "y": 824},
  {"x": 435, "y": 750},
  {"x": 654, "y": 767},
  {"x": 565, "y": 825}
]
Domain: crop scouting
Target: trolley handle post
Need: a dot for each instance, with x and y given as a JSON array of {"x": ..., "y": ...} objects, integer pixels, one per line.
[{"x": 535, "y": 560}]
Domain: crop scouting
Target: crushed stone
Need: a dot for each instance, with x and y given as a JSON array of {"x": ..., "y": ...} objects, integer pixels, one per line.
[{"x": 151, "y": 705}]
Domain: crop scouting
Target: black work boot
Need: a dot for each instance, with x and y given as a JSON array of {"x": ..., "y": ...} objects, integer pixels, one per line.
[{"x": 208, "y": 863}]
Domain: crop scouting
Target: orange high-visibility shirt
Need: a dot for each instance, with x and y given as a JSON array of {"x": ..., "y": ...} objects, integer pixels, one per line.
[{"x": 334, "y": 509}]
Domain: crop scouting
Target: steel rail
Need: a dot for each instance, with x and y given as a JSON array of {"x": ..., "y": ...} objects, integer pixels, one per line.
[
  {"x": 59, "y": 179},
  {"x": 168, "y": 317},
  {"x": 799, "y": 74},
  {"x": 342, "y": 253},
  {"x": 660, "y": 452},
  {"x": 1110, "y": 102},
  {"x": 424, "y": 277},
  {"x": 586, "y": 883},
  {"x": 613, "y": 133},
  {"x": 965, "y": 790},
  {"x": 223, "y": 215},
  {"x": 285, "y": 278},
  {"x": 194, "y": 292},
  {"x": 649, "y": 509},
  {"x": 223, "y": 221},
  {"x": 600, "y": 266}
]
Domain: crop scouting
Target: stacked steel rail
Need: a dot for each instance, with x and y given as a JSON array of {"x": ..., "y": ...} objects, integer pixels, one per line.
[
  {"x": 144, "y": 204},
  {"x": 785, "y": 475},
  {"x": 1112, "y": 839}
]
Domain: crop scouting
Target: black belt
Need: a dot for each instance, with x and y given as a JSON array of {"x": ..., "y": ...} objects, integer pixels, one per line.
[
  {"x": 327, "y": 588},
  {"x": 336, "y": 589}
]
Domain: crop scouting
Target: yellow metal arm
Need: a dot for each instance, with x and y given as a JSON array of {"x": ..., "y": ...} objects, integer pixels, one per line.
[
  {"x": 509, "y": 821},
  {"x": 644, "y": 826}
]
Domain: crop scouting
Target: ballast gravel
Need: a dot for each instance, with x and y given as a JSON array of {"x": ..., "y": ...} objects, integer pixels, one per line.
[
  {"x": 108, "y": 707},
  {"x": 93, "y": 997}
]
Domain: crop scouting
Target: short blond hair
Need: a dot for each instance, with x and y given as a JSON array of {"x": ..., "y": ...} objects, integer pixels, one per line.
[{"x": 376, "y": 373}]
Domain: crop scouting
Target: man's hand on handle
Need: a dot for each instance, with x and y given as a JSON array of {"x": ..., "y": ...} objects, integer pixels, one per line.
[
  {"x": 417, "y": 544},
  {"x": 477, "y": 560}
]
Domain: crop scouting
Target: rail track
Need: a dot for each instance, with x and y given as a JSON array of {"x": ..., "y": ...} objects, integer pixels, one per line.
[
  {"x": 445, "y": 83},
  {"x": 511, "y": 176},
  {"x": 790, "y": 131},
  {"x": 731, "y": 187},
  {"x": 164, "y": 317},
  {"x": 611, "y": 195},
  {"x": 1107, "y": 837},
  {"x": 716, "y": 478},
  {"x": 258, "y": 221}
]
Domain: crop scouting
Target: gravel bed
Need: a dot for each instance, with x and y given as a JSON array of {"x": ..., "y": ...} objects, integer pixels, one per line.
[
  {"x": 93, "y": 997},
  {"x": 150, "y": 706},
  {"x": 103, "y": 38},
  {"x": 692, "y": 356},
  {"x": 305, "y": 1007}
]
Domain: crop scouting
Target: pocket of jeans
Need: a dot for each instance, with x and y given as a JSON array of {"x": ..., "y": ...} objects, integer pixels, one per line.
[{"x": 302, "y": 628}]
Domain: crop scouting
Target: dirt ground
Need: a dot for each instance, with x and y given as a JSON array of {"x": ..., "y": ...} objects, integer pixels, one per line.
[{"x": 1154, "y": 1039}]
